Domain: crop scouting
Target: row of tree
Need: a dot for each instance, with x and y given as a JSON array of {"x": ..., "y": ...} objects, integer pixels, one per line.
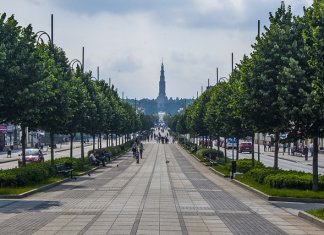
[
  {"x": 278, "y": 88},
  {"x": 40, "y": 90}
]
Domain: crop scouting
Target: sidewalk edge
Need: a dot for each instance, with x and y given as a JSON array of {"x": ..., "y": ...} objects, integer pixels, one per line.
[
  {"x": 259, "y": 193},
  {"x": 311, "y": 218},
  {"x": 217, "y": 172}
]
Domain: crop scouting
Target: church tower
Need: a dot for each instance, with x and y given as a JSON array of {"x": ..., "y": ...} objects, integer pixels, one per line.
[
  {"x": 162, "y": 98},
  {"x": 162, "y": 82}
]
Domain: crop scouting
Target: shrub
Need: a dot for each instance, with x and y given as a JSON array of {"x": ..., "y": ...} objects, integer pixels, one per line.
[
  {"x": 30, "y": 174},
  {"x": 212, "y": 153},
  {"x": 292, "y": 180},
  {"x": 258, "y": 174},
  {"x": 7, "y": 178},
  {"x": 245, "y": 165}
]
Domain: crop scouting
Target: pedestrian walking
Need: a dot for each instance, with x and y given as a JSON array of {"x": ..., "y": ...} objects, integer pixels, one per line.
[
  {"x": 311, "y": 149},
  {"x": 137, "y": 156},
  {"x": 288, "y": 148},
  {"x": 264, "y": 146},
  {"x": 134, "y": 149},
  {"x": 141, "y": 148},
  {"x": 306, "y": 152},
  {"x": 9, "y": 153},
  {"x": 269, "y": 146},
  {"x": 284, "y": 147}
]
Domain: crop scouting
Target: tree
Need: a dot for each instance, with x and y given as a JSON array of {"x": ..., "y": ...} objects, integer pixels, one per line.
[
  {"x": 313, "y": 35},
  {"x": 19, "y": 76},
  {"x": 54, "y": 91},
  {"x": 271, "y": 55}
]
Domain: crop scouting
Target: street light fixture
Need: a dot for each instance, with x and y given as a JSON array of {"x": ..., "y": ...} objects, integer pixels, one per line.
[{"x": 81, "y": 64}]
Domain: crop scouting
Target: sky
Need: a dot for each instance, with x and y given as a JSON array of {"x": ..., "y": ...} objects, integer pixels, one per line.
[{"x": 128, "y": 39}]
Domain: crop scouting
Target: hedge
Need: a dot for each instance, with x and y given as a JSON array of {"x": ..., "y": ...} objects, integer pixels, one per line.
[
  {"x": 212, "y": 153},
  {"x": 283, "y": 179},
  {"x": 34, "y": 173}
]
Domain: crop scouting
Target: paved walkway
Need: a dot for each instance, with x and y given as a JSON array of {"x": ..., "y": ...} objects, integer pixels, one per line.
[{"x": 153, "y": 197}]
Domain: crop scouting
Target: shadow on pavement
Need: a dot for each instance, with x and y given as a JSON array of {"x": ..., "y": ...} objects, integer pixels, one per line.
[{"x": 21, "y": 206}]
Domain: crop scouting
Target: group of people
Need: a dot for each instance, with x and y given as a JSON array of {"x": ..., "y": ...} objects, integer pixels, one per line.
[
  {"x": 305, "y": 149},
  {"x": 96, "y": 158},
  {"x": 137, "y": 149},
  {"x": 162, "y": 139}
]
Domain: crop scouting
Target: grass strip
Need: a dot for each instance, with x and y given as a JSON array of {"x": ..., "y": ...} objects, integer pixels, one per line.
[
  {"x": 319, "y": 213},
  {"x": 19, "y": 190},
  {"x": 280, "y": 192},
  {"x": 221, "y": 169}
]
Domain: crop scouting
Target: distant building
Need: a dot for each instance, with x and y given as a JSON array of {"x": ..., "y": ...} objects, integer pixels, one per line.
[
  {"x": 162, "y": 98},
  {"x": 162, "y": 103}
]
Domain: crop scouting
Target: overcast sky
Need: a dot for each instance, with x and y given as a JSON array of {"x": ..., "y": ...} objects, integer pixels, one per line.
[{"x": 127, "y": 39}]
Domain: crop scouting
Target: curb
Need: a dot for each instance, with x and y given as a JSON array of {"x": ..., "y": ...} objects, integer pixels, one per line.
[
  {"x": 8, "y": 160},
  {"x": 217, "y": 172},
  {"x": 259, "y": 193},
  {"x": 311, "y": 218}
]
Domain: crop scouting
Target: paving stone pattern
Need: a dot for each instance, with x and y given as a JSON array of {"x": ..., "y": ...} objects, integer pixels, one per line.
[{"x": 167, "y": 193}]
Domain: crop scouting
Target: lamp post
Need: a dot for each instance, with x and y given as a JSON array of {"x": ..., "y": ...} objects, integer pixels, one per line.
[
  {"x": 50, "y": 38},
  {"x": 81, "y": 63}
]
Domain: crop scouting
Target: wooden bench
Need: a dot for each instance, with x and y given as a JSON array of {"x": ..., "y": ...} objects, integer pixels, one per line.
[
  {"x": 213, "y": 162},
  {"x": 65, "y": 169}
]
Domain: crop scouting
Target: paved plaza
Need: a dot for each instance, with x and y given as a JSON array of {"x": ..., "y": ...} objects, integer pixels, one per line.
[{"x": 169, "y": 192}]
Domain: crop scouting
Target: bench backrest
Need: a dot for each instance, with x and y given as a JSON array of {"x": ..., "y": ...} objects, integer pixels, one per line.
[{"x": 63, "y": 166}]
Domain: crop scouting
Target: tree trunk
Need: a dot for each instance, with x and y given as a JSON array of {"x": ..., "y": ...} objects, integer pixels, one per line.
[
  {"x": 71, "y": 145},
  {"x": 210, "y": 142},
  {"x": 315, "y": 164},
  {"x": 23, "y": 145},
  {"x": 218, "y": 148},
  {"x": 276, "y": 151},
  {"x": 225, "y": 150},
  {"x": 253, "y": 150},
  {"x": 111, "y": 140},
  {"x": 237, "y": 148},
  {"x": 82, "y": 147},
  {"x": 52, "y": 148},
  {"x": 116, "y": 140},
  {"x": 107, "y": 144},
  {"x": 93, "y": 142},
  {"x": 258, "y": 146}
]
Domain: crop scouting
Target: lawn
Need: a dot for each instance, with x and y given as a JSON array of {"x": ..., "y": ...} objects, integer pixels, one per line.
[
  {"x": 281, "y": 192},
  {"x": 20, "y": 190},
  {"x": 319, "y": 213}
]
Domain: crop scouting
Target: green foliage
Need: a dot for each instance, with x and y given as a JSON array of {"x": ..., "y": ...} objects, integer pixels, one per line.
[
  {"x": 283, "y": 179},
  {"x": 292, "y": 179},
  {"x": 245, "y": 165},
  {"x": 211, "y": 153},
  {"x": 280, "y": 192},
  {"x": 113, "y": 150},
  {"x": 31, "y": 174},
  {"x": 259, "y": 174},
  {"x": 319, "y": 213}
]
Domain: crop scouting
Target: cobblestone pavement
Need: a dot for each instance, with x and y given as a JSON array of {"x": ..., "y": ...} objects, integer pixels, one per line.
[{"x": 169, "y": 192}]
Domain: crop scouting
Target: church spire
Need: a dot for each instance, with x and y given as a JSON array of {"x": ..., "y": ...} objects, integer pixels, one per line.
[
  {"x": 162, "y": 98},
  {"x": 162, "y": 82}
]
